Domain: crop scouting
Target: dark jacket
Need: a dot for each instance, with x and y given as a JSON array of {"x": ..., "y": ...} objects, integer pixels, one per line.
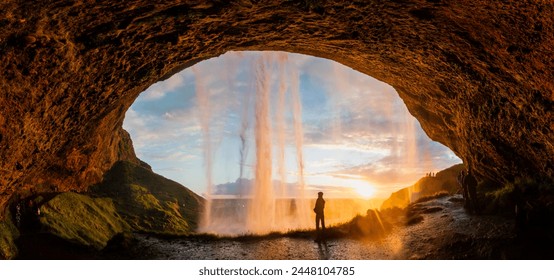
[{"x": 319, "y": 205}]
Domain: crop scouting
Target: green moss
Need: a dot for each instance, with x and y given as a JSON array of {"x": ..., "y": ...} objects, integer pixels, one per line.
[
  {"x": 506, "y": 191},
  {"x": 8, "y": 235},
  {"x": 500, "y": 200},
  {"x": 533, "y": 185},
  {"x": 503, "y": 199},
  {"x": 150, "y": 202},
  {"x": 144, "y": 198},
  {"x": 83, "y": 220}
]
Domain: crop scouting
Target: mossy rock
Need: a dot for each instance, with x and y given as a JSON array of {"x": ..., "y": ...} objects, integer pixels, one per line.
[
  {"x": 149, "y": 202},
  {"x": 8, "y": 235},
  {"x": 372, "y": 225},
  {"x": 80, "y": 219}
]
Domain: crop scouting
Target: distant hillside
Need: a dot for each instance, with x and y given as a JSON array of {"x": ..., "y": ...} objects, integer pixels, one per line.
[
  {"x": 149, "y": 202},
  {"x": 444, "y": 181}
]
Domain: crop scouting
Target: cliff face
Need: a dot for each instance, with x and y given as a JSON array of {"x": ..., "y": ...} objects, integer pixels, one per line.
[
  {"x": 444, "y": 181},
  {"x": 476, "y": 74}
]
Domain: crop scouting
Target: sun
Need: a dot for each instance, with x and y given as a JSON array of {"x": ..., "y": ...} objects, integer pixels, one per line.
[
  {"x": 362, "y": 187},
  {"x": 345, "y": 185}
]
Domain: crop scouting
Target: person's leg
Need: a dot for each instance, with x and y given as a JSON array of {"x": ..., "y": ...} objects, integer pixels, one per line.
[
  {"x": 466, "y": 199},
  {"x": 473, "y": 197},
  {"x": 317, "y": 218},
  {"x": 322, "y": 222},
  {"x": 318, "y": 233}
]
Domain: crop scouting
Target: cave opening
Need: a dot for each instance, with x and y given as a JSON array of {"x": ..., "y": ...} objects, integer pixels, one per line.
[
  {"x": 329, "y": 128},
  {"x": 477, "y": 77}
]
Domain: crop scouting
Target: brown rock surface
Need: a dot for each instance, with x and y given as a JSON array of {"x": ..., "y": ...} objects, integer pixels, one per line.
[{"x": 478, "y": 75}]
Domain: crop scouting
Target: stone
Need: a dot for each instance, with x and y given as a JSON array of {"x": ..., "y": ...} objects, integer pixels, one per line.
[
  {"x": 82, "y": 220},
  {"x": 476, "y": 74}
]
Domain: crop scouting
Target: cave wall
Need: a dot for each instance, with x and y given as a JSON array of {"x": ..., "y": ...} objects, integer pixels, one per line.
[{"x": 478, "y": 75}]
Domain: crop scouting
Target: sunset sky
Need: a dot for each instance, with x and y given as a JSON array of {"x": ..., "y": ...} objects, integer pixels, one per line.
[{"x": 358, "y": 136}]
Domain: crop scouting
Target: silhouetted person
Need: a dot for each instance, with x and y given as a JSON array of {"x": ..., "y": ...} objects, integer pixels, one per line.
[
  {"x": 292, "y": 208},
  {"x": 319, "y": 215},
  {"x": 470, "y": 184},
  {"x": 18, "y": 215},
  {"x": 461, "y": 177}
]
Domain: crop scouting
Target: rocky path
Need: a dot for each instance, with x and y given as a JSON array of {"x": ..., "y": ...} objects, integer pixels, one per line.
[{"x": 445, "y": 231}]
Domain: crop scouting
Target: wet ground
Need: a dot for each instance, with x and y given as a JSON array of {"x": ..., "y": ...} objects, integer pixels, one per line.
[
  {"x": 443, "y": 231},
  {"x": 438, "y": 229}
]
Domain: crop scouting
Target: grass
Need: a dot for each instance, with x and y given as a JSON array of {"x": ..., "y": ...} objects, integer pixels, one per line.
[
  {"x": 149, "y": 202},
  {"x": 501, "y": 199},
  {"x": 8, "y": 235},
  {"x": 80, "y": 219},
  {"x": 373, "y": 225},
  {"x": 525, "y": 191}
]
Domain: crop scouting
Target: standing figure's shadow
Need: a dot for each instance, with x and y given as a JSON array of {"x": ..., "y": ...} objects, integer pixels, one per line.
[{"x": 323, "y": 250}]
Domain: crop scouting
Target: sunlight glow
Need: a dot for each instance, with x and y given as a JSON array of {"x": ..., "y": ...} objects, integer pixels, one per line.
[
  {"x": 366, "y": 192},
  {"x": 364, "y": 188},
  {"x": 352, "y": 185}
]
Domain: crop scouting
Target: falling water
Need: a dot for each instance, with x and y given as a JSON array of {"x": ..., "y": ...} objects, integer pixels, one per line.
[
  {"x": 243, "y": 150},
  {"x": 410, "y": 141},
  {"x": 261, "y": 208},
  {"x": 203, "y": 100},
  {"x": 410, "y": 146},
  {"x": 270, "y": 115},
  {"x": 272, "y": 205},
  {"x": 303, "y": 208},
  {"x": 280, "y": 134},
  {"x": 335, "y": 102}
]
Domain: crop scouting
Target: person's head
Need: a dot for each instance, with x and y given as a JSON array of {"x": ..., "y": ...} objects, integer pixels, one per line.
[{"x": 320, "y": 194}]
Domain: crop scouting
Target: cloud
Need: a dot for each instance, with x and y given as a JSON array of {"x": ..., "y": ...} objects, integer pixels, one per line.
[
  {"x": 162, "y": 137},
  {"x": 365, "y": 114},
  {"x": 393, "y": 171},
  {"x": 160, "y": 89},
  {"x": 354, "y": 125},
  {"x": 243, "y": 187}
]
